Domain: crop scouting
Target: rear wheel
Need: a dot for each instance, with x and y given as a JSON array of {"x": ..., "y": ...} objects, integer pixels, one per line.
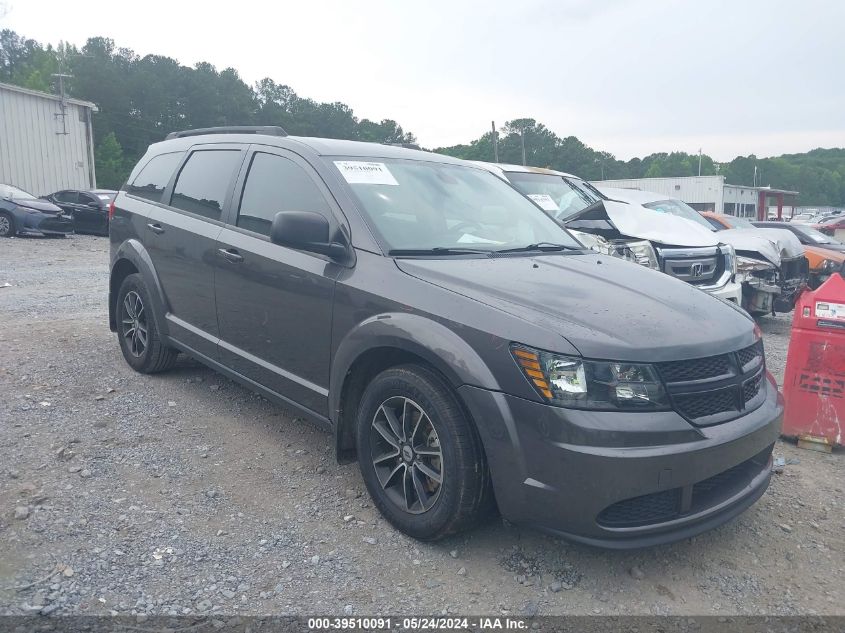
[
  {"x": 7, "y": 225},
  {"x": 420, "y": 457},
  {"x": 137, "y": 330}
]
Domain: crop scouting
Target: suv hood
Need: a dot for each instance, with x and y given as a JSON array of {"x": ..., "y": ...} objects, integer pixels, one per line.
[
  {"x": 605, "y": 307},
  {"x": 39, "y": 205},
  {"x": 635, "y": 221}
]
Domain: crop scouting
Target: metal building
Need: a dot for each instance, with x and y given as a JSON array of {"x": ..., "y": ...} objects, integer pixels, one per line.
[
  {"x": 46, "y": 142},
  {"x": 711, "y": 193}
]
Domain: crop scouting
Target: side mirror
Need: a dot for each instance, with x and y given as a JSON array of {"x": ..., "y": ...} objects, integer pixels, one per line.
[
  {"x": 305, "y": 231},
  {"x": 93, "y": 205}
]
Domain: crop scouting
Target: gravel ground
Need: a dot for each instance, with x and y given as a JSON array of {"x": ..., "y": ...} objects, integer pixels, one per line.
[{"x": 184, "y": 493}]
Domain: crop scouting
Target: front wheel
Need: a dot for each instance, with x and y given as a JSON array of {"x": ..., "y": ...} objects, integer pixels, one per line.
[
  {"x": 420, "y": 457},
  {"x": 137, "y": 330},
  {"x": 7, "y": 225}
]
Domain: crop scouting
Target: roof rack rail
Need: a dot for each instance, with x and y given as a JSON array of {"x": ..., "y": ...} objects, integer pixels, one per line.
[
  {"x": 269, "y": 130},
  {"x": 406, "y": 145}
]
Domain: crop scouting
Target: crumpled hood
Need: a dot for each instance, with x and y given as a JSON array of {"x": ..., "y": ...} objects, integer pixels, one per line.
[
  {"x": 39, "y": 205},
  {"x": 633, "y": 220},
  {"x": 783, "y": 243},
  {"x": 605, "y": 307}
]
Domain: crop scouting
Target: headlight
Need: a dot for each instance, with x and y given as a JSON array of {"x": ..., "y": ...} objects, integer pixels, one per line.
[
  {"x": 640, "y": 252},
  {"x": 570, "y": 381},
  {"x": 730, "y": 258},
  {"x": 747, "y": 264},
  {"x": 828, "y": 265}
]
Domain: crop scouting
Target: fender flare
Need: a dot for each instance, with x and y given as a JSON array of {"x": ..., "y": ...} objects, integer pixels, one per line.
[
  {"x": 134, "y": 252},
  {"x": 422, "y": 336}
]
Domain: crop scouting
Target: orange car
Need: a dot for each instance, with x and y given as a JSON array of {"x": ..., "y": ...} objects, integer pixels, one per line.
[{"x": 823, "y": 261}]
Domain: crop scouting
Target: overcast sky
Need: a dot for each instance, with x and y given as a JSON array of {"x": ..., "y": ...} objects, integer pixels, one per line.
[{"x": 628, "y": 76}]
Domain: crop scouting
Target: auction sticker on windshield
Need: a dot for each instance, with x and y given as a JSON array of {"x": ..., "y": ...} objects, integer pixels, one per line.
[
  {"x": 544, "y": 201},
  {"x": 357, "y": 172}
]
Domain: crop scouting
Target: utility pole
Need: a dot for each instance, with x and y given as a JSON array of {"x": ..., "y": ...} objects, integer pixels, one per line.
[
  {"x": 495, "y": 142},
  {"x": 522, "y": 140},
  {"x": 755, "y": 175},
  {"x": 699, "y": 161},
  {"x": 63, "y": 104}
]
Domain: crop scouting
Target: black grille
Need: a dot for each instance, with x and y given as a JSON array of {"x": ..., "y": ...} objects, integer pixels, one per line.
[
  {"x": 695, "y": 369},
  {"x": 750, "y": 353},
  {"x": 752, "y": 388},
  {"x": 653, "y": 508},
  {"x": 668, "y": 504},
  {"x": 701, "y": 405}
]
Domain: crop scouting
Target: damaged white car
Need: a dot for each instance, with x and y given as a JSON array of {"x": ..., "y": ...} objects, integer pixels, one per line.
[
  {"x": 629, "y": 231},
  {"x": 770, "y": 265}
]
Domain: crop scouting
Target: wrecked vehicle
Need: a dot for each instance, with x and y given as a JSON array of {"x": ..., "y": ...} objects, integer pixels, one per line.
[
  {"x": 774, "y": 273},
  {"x": 627, "y": 231},
  {"x": 771, "y": 267}
]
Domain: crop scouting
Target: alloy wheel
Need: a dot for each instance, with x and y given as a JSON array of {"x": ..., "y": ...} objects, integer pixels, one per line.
[
  {"x": 5, "y": 226},
  {"x": 134, "y": 323},
  {"x": 406, "y": 455}
]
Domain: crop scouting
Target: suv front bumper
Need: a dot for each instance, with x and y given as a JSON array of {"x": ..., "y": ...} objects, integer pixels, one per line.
[{"x": 622, "y": 480}]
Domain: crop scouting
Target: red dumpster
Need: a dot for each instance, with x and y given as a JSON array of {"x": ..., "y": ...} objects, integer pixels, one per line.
[{"x": 814, "y": 383}]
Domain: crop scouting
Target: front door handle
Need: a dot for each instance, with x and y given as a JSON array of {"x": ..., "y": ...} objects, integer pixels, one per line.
[
  {"x": 231, "y": 255},
  {"x": 156, "y": 228}
]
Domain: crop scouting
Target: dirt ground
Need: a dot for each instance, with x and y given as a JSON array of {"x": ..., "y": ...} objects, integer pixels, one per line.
[{"x": 184, "y": 493}]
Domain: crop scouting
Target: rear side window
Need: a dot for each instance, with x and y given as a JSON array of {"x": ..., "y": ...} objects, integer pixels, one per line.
[
  {"x": 276, "y": 184},
  {"x": 204, "y": 180},
  {"x": 153, "y": 178}
]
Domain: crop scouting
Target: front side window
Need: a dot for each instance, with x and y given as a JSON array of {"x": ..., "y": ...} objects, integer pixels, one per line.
[
  {"x": 204, "y": 180},
  {"x": 681, "y": 210},
  {"x": 557, "y": 195},
  {"x": 68, "y": 197},
  {"x": 152, "y": 180},
  {"x": 276, "y": 184},
  {"x": 417, "y": 205}
]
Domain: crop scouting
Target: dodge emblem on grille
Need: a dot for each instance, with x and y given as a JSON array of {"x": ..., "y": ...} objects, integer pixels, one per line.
[{"x": 697, "y": 270}]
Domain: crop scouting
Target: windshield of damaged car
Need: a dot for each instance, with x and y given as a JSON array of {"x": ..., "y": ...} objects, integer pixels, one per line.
[
  {"x": 679, "y": 209},
  {"x": 556, "y": 195},
  {"x": 8, "y": 192},
  {"x": 813, "y": 235},
  {"x": 415, "y": 205}
]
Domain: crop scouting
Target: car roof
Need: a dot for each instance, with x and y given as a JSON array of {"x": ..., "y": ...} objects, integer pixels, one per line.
[
  {"x": 320, "y": 146},
  {"x": 632, "y": 195},
  {"x": 504, "y": 168}
]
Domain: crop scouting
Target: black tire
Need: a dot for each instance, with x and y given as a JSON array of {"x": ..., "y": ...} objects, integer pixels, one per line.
[
  {"x": 463, "y": 497},
  {"x": 11, "y": 230},
  {"x": 134, "y": 314}
]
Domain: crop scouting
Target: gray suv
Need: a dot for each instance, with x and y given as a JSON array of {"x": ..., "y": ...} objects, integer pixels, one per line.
[{"x": 465, "y": 349}]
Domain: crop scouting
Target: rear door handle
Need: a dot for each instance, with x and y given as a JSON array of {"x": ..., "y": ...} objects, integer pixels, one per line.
[
  {"x": 156, "y": 228},
  {"x": 231, "y": 255}
]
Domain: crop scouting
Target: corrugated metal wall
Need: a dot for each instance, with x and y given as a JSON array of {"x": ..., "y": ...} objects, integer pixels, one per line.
[{"x": 33, "y": 154}]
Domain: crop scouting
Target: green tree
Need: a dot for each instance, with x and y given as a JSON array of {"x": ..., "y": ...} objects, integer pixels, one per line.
[{"x": 109, "y": 163}]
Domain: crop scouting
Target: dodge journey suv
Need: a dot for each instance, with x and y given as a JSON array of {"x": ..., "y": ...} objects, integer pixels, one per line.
[{"x": 461, "y": 346}]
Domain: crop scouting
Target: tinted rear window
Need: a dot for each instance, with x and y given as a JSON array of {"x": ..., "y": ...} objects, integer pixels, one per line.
[
  {"x": 153, "y": 178},
  {"x": 204, "y": 180}
]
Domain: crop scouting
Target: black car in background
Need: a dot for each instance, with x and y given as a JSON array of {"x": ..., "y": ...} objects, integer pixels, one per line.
[
  {"x": 21, "y": 213},
  {"x": 89, "y": 208}
]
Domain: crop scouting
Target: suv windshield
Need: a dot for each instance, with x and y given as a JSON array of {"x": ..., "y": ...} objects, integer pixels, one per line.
[
  {"x": 8, "y": 192},
  {"x": 427, "y": 206},
  {"x": 554, "y": 194},
  {"x": 679, "y": 209}
]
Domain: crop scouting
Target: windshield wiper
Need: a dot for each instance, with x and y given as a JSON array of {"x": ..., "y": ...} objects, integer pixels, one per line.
[
  {"x": 540, "y": 246},
  {"x": 438, "y": 250}
]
